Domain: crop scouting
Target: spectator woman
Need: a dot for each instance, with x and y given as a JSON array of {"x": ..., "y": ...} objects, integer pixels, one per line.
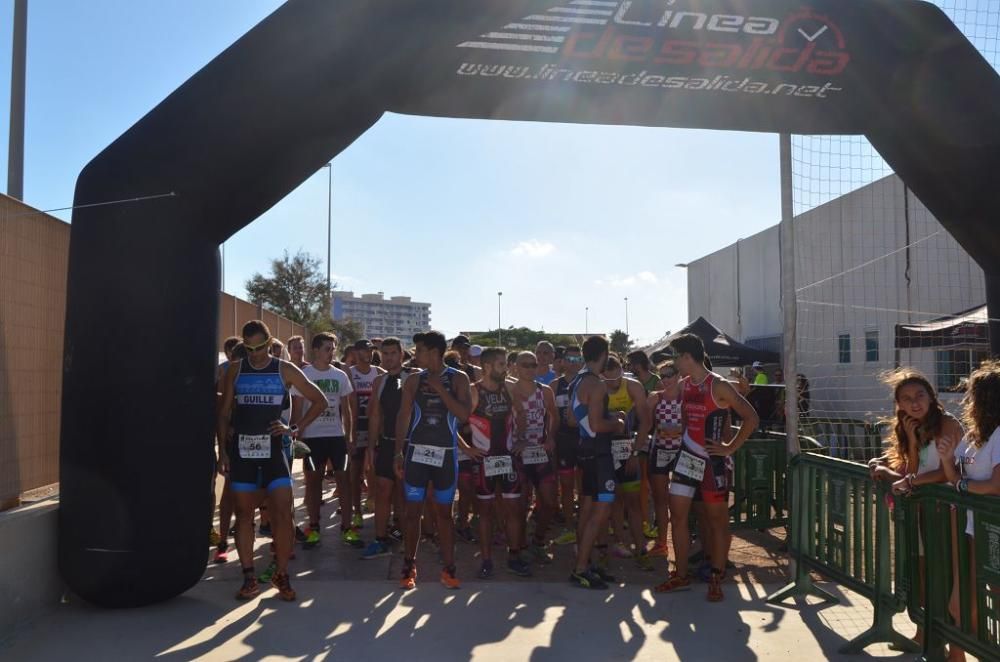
[{"x": 972, "y": 465}]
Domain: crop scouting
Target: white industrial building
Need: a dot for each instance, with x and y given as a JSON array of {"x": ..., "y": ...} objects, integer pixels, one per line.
[
  {"x": 864, "y": 262},
  {"x": 380, "y": 317}
]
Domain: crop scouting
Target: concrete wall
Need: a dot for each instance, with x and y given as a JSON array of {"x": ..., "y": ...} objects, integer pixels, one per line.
[{"x": 29, "y": 581}]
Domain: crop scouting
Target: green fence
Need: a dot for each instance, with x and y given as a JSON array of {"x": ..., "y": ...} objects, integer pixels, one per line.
[
  {"x": 932, "y": 516},
  {"x": 840, "y": 529},
  {"x": 760, "y": 498}
]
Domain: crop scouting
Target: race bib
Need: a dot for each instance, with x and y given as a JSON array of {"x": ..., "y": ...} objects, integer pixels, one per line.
[
  {"x": 499, "y": 465},
  {"x": 621, "y": 449},
  {"x": 690, "y": 466},
  {"x": 664, "y": 457},
  {"x": 255, "y": 446},
  {"x": 534, "y": 455},
  {"x": 328, "y": 417},
  {"x": 562, "y": 400},
  {"x": 432, "y": 456},
  {"x": 361, "y": 439}
]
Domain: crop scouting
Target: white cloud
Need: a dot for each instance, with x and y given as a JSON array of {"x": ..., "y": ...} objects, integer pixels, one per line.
[
  {"x": 641, "y": 278},
  {"x": 533, "y": 249}
]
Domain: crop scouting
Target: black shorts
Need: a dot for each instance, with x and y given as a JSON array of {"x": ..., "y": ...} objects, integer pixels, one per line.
[
  {"x": 597, "y": 468},
  {"x": 385, "y": 459},
  {"x": 566, "y": 450},
  {"x": 443, "y": 479},
  {"x": 251, "y": 475},
  {"x": 322, "y": 449},
  {"x": 509, "y": 483},
  {"x": 661, "y": 461},
  {"x": 466, "y": 469},
  {"x": 537, "y": 474}
]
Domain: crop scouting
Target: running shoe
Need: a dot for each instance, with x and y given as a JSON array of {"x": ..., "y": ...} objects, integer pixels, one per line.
[
  {"x": 213, "y": 538},
  {"x": 715, "y": 588},
  {"x": 449, "y": 579},
  {"x": 268, "y": 573},
  {"x": 376, "y": 549},
  {"x": 466, "y": 535},
  {"x": 486, "y": 569},
  {"x": 659, "y": 550},
  {"x": 265, "y": 530},
  {"x": 221, "y": 554},
  {"x": 250, "y": 588},
  {"x": 518, "y": 567},
  {"x": 351, "y": 537},
  {"x": 409, "y": 579},
  {"x": 587, "y": 579},
  {"x": 650, "y": 531},
  {"x": 285, "y": 591},
  {"x": 300, "y": 535},
  {"x": 396, "y": 534},
  {"x": 674, "y": 584},
  {"x": 567, "y": 537},
  {"x": 619, "y": 551},
  {"x": 312, "y": 539},
  {"x": 602, "y": 572},
  {"x": 539, "y": 554},
  {"x": 357, "y": 521},
  {"x": 643, "y": 562}
]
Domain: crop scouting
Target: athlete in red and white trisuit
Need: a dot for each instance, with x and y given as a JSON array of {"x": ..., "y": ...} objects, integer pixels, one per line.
[
  {"x": 664, "y": 446},
  {"x": 700, "y": 469}
]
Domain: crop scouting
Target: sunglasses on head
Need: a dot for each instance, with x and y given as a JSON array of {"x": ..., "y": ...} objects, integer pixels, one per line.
[{"x": 257, "y": 348}]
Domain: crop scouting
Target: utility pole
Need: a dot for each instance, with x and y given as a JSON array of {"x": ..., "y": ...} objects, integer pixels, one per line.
[{"x": 18, "y": 73}]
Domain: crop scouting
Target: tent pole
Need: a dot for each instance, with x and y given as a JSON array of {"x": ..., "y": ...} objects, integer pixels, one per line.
[{"x": 788, "y": 304}]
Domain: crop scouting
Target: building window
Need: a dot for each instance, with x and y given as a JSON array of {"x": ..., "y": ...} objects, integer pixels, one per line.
[
  {"x": 844, "y": 348},
  {"x": 953, "y": 367},
  {"x": 871, "y": 346}
]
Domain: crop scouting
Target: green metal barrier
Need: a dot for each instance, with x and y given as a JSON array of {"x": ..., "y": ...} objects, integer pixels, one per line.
[
  {"x": 759, "y": 483},
  {"x": 932, "y": 510},
  {"x": 840, "y": 529}
]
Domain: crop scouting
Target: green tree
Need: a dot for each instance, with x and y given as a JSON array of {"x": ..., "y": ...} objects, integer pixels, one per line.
[
  {"x": 295, "y": 289},
  {"x": 620, "y": 343},
  {"x": 520, "y": 338}
]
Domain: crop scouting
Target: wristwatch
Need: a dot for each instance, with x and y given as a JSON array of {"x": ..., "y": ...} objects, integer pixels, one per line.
[{"x": 294, "y": 430}]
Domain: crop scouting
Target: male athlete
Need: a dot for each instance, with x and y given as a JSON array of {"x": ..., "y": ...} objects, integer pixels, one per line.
[
  {"x": 328, "y": 438},
  {"x": 253, "y": 393},
  {"x": 535, "y": 423},
  {"x": 546, "y": 354},
  {"x": 589, "y": 404},
  {"x": 628, "y": 398},
  {"x": 382, "y": 413},
  {"x": 567, "y": 440},
  {"x": 436, "y": 400},
  {"x": 700, "y": 471},
  {"x": 363, "y": 375},
  {"x": 297, "y": 351},
  {"x": 500, "y": 469},
  {"x": 638, "y": 364}
]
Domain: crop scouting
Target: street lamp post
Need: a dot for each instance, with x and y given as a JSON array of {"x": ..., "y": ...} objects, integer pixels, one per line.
[
  {"x": 586, "y": 320},
  {"x": 626, "y": 316},
  {"x": 329, "y": 239},
  {"x": 499, "y": 326}
]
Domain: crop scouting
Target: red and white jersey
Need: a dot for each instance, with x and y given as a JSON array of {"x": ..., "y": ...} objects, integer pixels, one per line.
[
  {"x": 705, "y": 419},
  {"x": 532, "y": 412}
]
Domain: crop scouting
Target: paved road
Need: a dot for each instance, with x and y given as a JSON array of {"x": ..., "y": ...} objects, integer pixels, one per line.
[{"x": 348, "y": 607}]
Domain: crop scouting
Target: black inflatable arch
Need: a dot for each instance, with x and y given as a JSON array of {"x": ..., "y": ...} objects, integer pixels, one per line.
[{"x": 302, "y": 85}]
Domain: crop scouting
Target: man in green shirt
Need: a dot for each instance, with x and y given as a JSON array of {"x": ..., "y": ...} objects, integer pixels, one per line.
[{"x": 760, "y": 377}]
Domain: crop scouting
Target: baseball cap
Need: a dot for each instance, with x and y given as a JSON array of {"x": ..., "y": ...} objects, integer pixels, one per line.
[
  {"x": 475, "y": 350},
  {"x": 461, "y": 341},
  {"x": 364, "y": 343},
  {"x": 756, "y": 364}
]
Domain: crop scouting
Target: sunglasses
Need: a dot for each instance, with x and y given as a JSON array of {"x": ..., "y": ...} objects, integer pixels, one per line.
[
  {"x": 668, "y": 375},
  {"x": 257, "y": 348},
  {"x": 574, "y": 359},
  {"x": 527, "y": 365}
]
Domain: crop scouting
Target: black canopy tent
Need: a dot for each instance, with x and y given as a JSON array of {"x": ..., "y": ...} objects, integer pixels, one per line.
[
  {"x": 723, "y": 349},
  {"x": 969, "y": 327}
]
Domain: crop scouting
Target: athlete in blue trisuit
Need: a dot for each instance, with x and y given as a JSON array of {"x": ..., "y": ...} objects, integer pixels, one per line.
[
  {"x": 589, "y": 405},
  {"x": 253, "y": 393},
  {"x": 435, "y": 402}
]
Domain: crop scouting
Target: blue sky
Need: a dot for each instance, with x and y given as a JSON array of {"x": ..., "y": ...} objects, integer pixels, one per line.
[{"x": 558, "y": 217}]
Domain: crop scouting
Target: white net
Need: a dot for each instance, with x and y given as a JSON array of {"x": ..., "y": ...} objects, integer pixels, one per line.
[{"x": 879, "y": 282}]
